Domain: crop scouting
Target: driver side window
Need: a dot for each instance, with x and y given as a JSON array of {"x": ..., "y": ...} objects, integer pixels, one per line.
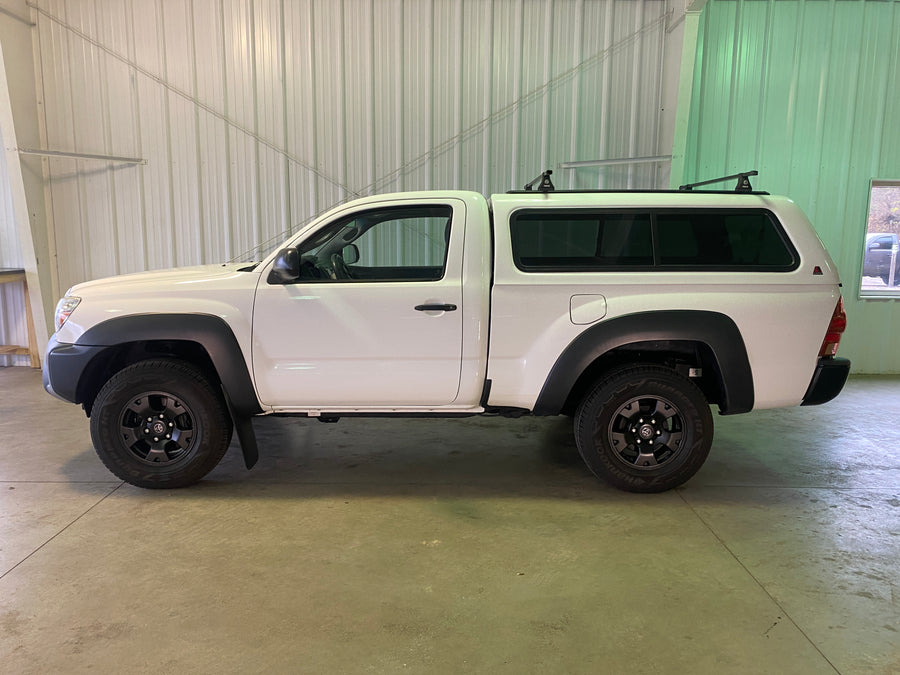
[{"x": 401, "y": 243}]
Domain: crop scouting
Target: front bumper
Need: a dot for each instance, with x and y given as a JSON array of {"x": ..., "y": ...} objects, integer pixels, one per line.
[
  {"x": 827, "y": 381},
  {"x": 63, "y": 367}
]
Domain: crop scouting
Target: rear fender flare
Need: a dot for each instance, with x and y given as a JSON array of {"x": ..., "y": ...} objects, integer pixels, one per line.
[{"x": 715, "y": 330}]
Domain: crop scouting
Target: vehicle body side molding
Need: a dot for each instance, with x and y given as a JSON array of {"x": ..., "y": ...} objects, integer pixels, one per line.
[{"x": 713, "y": 329}]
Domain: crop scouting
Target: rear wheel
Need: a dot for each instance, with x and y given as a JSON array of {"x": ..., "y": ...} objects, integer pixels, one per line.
[
  {"x": 160, "y": 424},
  {"x": 644, "y": 429}
]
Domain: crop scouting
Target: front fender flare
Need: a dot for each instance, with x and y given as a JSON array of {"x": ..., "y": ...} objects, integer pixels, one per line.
[{"x": 207, "y": 330}]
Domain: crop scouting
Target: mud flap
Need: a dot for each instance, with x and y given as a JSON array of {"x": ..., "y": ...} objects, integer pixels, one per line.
[{"x": 246, "y": 436}]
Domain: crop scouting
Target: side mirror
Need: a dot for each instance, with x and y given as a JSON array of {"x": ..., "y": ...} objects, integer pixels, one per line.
[
  {"x": 350, "y": 254},
  {"x": 286, "y": 268}
]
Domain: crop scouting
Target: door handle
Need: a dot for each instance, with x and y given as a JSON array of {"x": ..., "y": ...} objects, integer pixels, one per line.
[{"x": 435, "y": 308}]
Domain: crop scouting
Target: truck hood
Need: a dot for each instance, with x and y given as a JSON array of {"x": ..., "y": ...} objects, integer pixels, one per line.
[
  {"x": 218, "y": 290},
  {"x": 167, "y": 278}
]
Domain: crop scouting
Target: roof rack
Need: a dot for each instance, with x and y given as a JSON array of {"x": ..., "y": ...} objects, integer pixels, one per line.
[
  {"x": 743, "y": 182},
  {"x": 546, "y": 184}
]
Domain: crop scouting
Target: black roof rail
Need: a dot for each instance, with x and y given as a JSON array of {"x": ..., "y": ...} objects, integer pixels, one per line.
[{"x": 743, "y": 182}]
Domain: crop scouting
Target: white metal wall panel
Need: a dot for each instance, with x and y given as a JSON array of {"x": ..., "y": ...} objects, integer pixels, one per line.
[
  {"x": 13, "y": 329},
  {"x": 255, "y": 115},
  {"x": 10, "y": 250}
]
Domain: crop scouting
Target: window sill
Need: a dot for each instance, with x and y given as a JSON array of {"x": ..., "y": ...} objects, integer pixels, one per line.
[{"x": 880, "y": 294}]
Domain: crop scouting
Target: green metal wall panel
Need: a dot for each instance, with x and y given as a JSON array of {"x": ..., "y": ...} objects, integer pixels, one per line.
[{"x": 808, "y": 93}]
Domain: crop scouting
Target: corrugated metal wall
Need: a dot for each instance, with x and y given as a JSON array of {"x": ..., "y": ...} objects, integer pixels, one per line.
[
  {"x": 809, "y": 94},
  {"x": 255, "y": 115},
  {"x": 13, "y": 330}
]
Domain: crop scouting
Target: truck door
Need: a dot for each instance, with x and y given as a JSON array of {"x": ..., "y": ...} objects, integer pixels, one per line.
[{"x": 374, "y": 318}]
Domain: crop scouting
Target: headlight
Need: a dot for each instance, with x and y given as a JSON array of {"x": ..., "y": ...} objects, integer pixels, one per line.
[{"x": 64, "y": 308}]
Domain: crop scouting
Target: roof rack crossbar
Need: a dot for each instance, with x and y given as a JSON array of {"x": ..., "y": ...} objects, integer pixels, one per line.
[
  {"x": 546, "y": 184},
  {"x": 743, "y": 182}
]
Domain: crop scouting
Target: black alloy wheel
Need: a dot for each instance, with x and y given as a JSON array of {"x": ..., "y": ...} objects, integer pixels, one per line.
[
  {"x": 646, "y": 432},
  {"x": 157, "y": 427}
]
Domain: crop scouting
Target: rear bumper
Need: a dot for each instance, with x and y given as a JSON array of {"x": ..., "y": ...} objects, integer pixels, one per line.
[{"x": 827, "y": 381}]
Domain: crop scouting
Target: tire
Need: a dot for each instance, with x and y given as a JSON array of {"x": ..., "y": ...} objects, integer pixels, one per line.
[
  {"x": 644, "y": 429},
  {"x": 160, "y": 424}
]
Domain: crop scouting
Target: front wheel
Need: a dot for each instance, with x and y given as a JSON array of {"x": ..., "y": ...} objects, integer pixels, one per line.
[
  {"x": 644, "y": 429},
  {"x": 160, "y": 424}
]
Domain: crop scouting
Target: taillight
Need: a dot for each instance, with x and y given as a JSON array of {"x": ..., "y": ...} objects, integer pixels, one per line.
[{"x": 835, "y": 330}]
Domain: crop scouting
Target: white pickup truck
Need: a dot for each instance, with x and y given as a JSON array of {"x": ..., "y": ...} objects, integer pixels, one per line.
[{"x": 633, "y": 312}]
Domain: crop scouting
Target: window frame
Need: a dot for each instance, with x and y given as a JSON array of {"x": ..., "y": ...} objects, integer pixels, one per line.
[
  {"x": 392, "y": 212},
  {"x": 656, "y": 266},
  {"x": 875, "y": 292}
]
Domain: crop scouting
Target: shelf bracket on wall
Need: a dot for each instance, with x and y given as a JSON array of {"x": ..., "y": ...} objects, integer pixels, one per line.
[
  {"x": 613, "y": 162},
  {"x": 82, "y": 155},
  {"x": 13, "y": 15}
]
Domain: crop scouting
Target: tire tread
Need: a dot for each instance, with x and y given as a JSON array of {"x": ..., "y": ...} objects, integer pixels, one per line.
[
  {"x": 162, "y": 374},
  {"x": 616, "y": 386}
]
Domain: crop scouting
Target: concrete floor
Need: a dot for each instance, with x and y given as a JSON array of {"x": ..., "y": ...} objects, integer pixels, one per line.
[{"x": 481, "y": 545}]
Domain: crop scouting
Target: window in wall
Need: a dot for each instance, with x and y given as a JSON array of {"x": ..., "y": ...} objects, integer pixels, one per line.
[{"x": 881, "y": 256}]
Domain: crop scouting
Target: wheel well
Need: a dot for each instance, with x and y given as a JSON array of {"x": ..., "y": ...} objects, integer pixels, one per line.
[
  {"x": 679, "y": 355},
  {"x": 113, "y": 359}
]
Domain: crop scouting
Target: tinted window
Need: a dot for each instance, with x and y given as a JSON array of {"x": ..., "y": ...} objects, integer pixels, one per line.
[
  {"x": 689, "y": 239},
  {"x": 543, "y": 240},
  {"x": 724, "y": 239}
]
